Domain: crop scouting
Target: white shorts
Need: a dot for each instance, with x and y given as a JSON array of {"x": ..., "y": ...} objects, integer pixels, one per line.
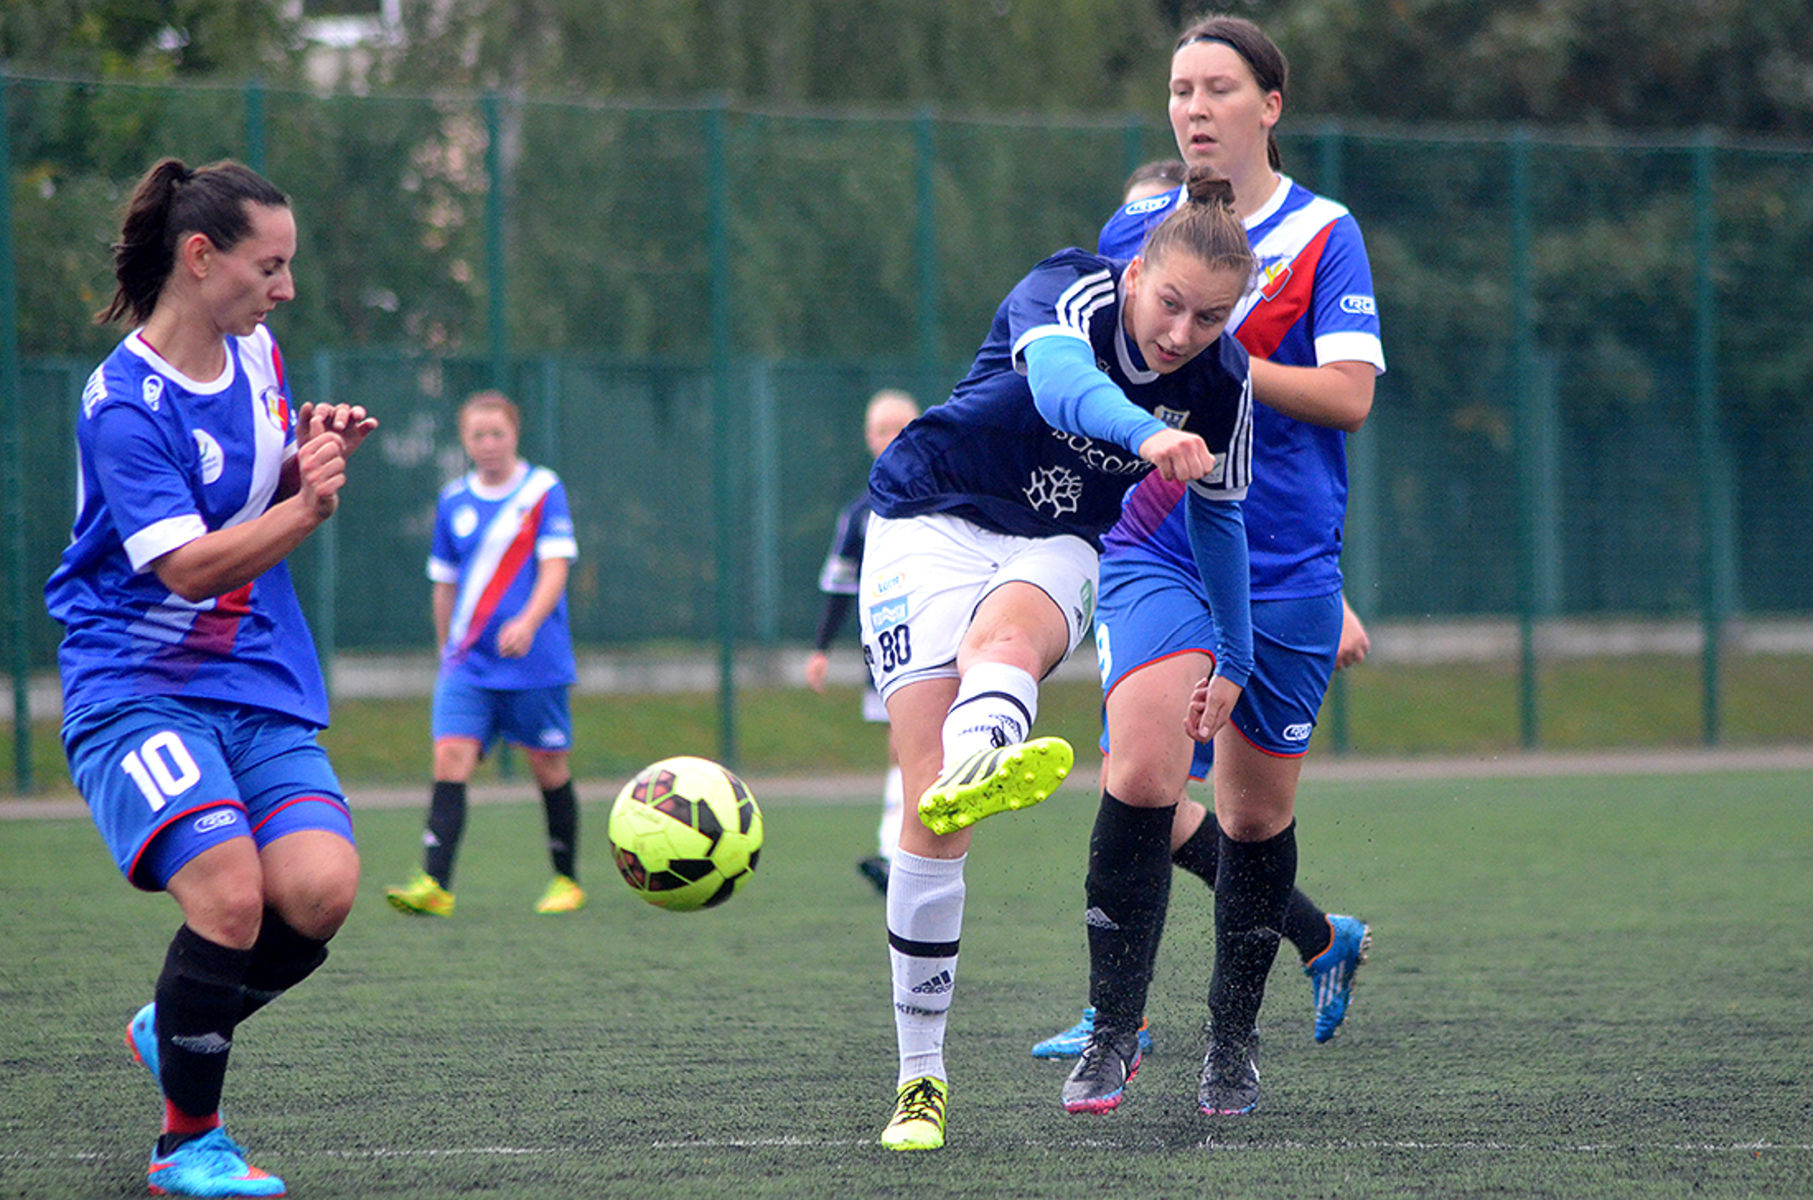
[{"x": 924, "y": 577}]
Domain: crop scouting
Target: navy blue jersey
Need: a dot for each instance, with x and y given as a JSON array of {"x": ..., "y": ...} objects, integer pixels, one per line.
[{"x": 987, "y": 456}]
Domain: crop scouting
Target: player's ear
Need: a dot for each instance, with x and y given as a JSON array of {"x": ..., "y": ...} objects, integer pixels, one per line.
[
  {"x": 1134, "y": 269},
  {"x": 196, "y": 252}
]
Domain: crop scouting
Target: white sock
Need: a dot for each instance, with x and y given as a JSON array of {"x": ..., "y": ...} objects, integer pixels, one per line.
[
  {"x": 893, "y": 808},
  {"x": 995, "y": 706},
  {"x": 925, "y": 920}
]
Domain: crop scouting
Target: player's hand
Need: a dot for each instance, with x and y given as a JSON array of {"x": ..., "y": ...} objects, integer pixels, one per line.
[
  {"x": 1210, "y": 704},
  {"x": 321, "y": 473},
  {"x": 818, "y": 666},
  {"x": 1179, "y": 456},
  {"x": 1355, "y": 645},
  {"x": 349, "y": 421},
  {"x": 515, "y": 636}
]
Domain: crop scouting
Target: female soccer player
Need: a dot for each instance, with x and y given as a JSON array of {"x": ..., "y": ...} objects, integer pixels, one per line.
[
  {"x": 191, "y": 690},
  {"x": 1312, "y": 327},
  {"x": 979, "y": 575},
  {"x": 888, "y": 412},
  {"x": 503, "y": 543}
]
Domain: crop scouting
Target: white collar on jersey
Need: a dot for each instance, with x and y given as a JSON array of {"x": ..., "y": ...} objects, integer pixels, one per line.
[
  {"x": 1122, "y": 348},
  {"x": 502, "y": 491}
]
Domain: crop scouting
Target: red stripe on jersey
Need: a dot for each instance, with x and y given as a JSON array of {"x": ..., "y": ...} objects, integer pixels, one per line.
[
  {"x": 1284, "y": 299},
  {"x": 521, "y": 548},
  {"x": 213, "y": 632}
]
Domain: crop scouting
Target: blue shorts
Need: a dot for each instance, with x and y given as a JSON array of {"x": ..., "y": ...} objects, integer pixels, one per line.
[
  {"x": 168, "y": 777},
  {"x": 1151, "y": 609},
  {"x": 535, "y": 718}
]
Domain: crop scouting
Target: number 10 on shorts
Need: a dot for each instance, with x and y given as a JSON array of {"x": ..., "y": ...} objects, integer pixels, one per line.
[{"x": 161, "y": 768}]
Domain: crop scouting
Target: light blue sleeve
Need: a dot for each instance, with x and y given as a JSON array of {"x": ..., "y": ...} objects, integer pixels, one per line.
[
  {"x": 1074, "y": 395},
  {"x": 1217, "y": 532}
]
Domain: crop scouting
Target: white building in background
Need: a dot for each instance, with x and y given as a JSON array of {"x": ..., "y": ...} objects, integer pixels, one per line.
[{"x": 345, "y": 38}]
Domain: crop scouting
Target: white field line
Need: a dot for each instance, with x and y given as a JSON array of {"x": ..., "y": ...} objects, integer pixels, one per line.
[{"x": 1046, "y": 1144}]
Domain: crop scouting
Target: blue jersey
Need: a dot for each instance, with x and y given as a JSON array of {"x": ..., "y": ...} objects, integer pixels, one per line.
[
  {"x": 163, "y": 460},
  {"x": 1312, "y": 303},
  {"x": 987, "y": 455},
  {"x": 488, "y": 543}
]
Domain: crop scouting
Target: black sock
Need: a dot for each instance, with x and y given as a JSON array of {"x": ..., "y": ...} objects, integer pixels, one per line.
[
  {"x": 562, "y": 810},
  {"x": 1250, "y": 892},
  {"x": 199, "y": 997},
  {"x": 1304, "y": 925},
  {"x": 281, "y": 959},
  {"x": 446, "y": 824},
  {"x": 1127, "y": 889}
]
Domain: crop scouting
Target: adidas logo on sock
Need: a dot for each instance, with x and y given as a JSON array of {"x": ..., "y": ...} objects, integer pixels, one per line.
[
  {"x": 1095, "y": 918},
  {"x": 937, "y": 985},
  {"x": 206, "y": 1043}
]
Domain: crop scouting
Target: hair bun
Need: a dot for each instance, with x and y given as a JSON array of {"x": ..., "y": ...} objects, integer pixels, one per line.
[{"x": 1206, "y": 187}]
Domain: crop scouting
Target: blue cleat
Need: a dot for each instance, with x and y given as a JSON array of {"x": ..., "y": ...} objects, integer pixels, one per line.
[
  {"x": 210, "y": 1165},
  {"x": 1331, "y": 972},
  {"x": 141, "y": 1039},
  {"x": 1070, "y": 1043}
]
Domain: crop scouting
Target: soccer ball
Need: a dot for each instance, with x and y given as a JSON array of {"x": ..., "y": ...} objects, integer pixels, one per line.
[{"x": 686, "y": 833}]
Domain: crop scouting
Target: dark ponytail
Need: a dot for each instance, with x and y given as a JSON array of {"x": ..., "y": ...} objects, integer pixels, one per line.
[
  {"x": 170, "y": 202},
  {"x": 1204, "y": 225}
]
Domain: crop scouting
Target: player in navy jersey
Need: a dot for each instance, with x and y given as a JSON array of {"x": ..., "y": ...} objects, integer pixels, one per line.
[
  {"x": 503, "y": 543},
  {"x": 888, "y": 412},
  {"x": 1312, "y": 327},
  {"x": 191, "y": 690},
  {"x": 980, "y": 569}
]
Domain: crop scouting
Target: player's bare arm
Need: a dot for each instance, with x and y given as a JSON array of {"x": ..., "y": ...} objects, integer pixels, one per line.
[
  {"x": 1336, "y": 395},
  {"x": 223, "y": 560}
]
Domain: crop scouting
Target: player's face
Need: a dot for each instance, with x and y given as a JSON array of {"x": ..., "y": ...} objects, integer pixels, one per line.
[
  {"x": 490, "y": 439},
  {"x": 245, "y": 283},
  {"x": 1177, "y": 306},
  {"x": 1219, "y": 115},
  {"x": 884, "y": 425}
]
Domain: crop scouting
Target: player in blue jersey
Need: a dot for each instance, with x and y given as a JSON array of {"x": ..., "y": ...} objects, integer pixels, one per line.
[
  {"x": 503, "y": 544},
  {"x": 888, "y": 412},
  {"x": 1311, "y": 325},
  {"x": 980, "y": 569},
  {"x": 191, "y": 690}
]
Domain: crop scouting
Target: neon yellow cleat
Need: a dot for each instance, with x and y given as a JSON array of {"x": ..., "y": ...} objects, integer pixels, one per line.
[
  {"x": 995, "y": 780},
  {"x": 422, "y": 896},
  {"x": 564, "y": 895},
  {"x": 918, "y": 1122}
]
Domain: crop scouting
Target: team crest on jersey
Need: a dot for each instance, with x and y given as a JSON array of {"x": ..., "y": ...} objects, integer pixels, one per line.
[
  {"x": 153, "y": 391},
  {"x": 1171, "y": 416},
  {"x": 276, "y": 411},
  {"x": 465, "y": 521},
  {"x": 213, "y": 461},
  {"x": 1272, "y": 278},
  {"x": 1054, "y": 490}
]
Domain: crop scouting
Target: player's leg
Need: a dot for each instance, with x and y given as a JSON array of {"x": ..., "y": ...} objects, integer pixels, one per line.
[
  {"x": 1035, "y": 608},
  {"x": 1255, "y": 796},
  {"x": 303, "y": 828},
  {"x": 925, "y": 924},
  {"x": 540, "y": 721},
  {"x": 1331, "y": 946},
  {"x": 1128, "y": 884},
  {"x": 893, "y": 801},
  {"x": 463, "y": 723}
]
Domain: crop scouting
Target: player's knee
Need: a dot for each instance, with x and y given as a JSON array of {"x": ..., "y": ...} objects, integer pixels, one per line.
[{"x": 318, "y": 905}]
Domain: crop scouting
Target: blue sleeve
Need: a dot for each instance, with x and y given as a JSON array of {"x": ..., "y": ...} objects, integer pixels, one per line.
[
  {"x": 1073, "y": 394},
  {"x": 1217, "y": 532}
]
